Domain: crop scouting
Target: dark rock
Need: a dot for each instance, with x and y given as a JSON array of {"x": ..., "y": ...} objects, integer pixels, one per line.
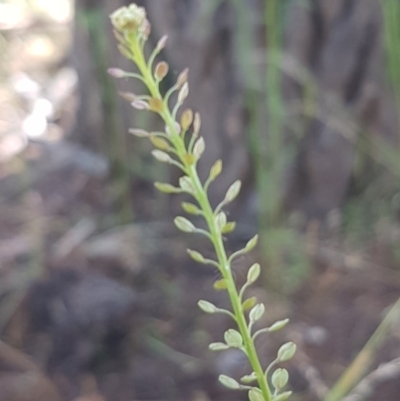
[{"x": 87, "y": 317}]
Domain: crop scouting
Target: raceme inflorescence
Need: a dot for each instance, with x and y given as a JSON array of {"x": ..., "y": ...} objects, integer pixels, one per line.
[{"x": 182, "y": 146}]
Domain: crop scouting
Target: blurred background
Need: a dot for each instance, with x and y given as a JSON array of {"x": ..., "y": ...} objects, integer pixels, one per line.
[{"x": 301, "y": 101}]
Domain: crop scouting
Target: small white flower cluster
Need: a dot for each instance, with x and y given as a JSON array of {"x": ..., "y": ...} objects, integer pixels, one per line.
[{"x": 131, "y": 18}]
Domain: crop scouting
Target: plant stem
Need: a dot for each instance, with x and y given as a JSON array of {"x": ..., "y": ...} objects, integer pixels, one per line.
[
  {"x": 360, "y": 365},
  {"x": 200, "y": 194}
]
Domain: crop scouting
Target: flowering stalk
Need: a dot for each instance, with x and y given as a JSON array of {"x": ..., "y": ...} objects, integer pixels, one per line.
[{"x": 182, "y": 146}]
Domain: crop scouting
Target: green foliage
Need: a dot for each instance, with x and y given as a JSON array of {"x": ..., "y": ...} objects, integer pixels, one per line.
[{"x": 182, "y": 146}]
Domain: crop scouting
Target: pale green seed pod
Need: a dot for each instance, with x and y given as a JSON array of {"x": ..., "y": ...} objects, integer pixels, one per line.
[
  {"x": 255, "y": 395},
  {"x": 233, "y": 338},
  {"x": 229, "y": 382},
  {"x": 207, "y": 307},
  {"x": 286, "y": 352},
  {"x": 233, "y": 191},
  {"x": 280, "y": 378},
  {"x": 184, "y": 224},
  {"x": 257, "y": 312},
  {"x": 253, "y": 273}
]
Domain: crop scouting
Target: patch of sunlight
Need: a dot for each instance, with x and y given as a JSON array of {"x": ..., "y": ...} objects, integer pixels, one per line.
[{"x": 60, "y": 11}]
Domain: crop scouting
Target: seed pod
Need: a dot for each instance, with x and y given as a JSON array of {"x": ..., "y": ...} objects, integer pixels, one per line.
[
  {"x": 251, "y": 244},
  {"x": 249, "y": 378},
  {"x": 221, "y": 284},
  {"x": 190, "y": 208},
  {"x": 278, "y": 325},
  {"x": 286, "y": 352},
  {"x": 167, "y": 188},
  {"x": 257, "y": 312},
  {"x": 228, "y": 227},
  {"x": 280, "y": 378},
  {"x": 233, "y": 191},
  {"x": 249, "y": 303},
  {"x": 233, "y": 338},
  {"x": 229, "y": 382},
  {"x": 159, "y": 143},
  {"x": 218, "y": 347},
  {"x": 253, "y": 273},
  {"x": 186, "y": 184},
  {"x": 207, "y": 307},
  {"x": 284, "y": 396},
  {"x": 196, "y": 256},
  {"x": 256, "y": 395},
  {"x": 184, "y": 224}
]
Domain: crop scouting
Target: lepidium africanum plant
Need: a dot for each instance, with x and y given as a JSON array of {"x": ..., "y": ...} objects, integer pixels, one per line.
[{"x": 182, "y": 146}]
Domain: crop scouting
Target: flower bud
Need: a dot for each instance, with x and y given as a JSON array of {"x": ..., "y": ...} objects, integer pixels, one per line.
[
  {"x": 161, "y": 43},
  {"x": 140, "y": 105},
  {"x": 124, "y": 51},
  {"x": 167, "y": 188},
  {"x": 199, "y": 147},
  {"x": 186, "y": 119},
  {"x": 196, "y": 124},
  {"x": 156, "y": 105},
  {"x": 182, "y": 78},
  {"x": 128, "y": 18},
  {"x": 141, "y": 133},
  {"x": 233, "y": 191},
  {"x": 161, "y": 156},
  {"x": 130, "y": 97},
  {"x": 183, "y": 93},
  {"x": 161, "y": 70},
  {"x": 117, "y": 72}
]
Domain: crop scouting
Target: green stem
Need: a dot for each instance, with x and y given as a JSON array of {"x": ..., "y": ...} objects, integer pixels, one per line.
[
  {"x": 360, "y": 365},
  {"x": 200, "y": 195}
]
